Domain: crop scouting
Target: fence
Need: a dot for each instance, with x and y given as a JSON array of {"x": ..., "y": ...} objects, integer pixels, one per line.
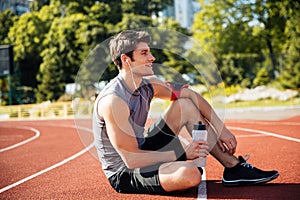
[{"x": 47, "y": 110}]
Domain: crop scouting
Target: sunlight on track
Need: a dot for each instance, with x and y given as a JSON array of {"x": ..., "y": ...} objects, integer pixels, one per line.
[
  {"x": 269, "y": 122},
  {"x": 37, "y": 134},
  {"x": 265, "y": 133},
  {"x": 51, "y": 167}
]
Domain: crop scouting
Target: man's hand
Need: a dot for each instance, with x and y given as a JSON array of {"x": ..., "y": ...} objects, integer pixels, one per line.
[
  {"x": 196, "y": 149},
  {"x": 227, "y": 141}
]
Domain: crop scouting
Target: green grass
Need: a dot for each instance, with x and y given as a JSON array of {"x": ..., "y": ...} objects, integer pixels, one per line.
[{"x": 159, "y": 106}]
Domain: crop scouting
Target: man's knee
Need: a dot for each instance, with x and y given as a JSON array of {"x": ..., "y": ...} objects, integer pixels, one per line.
[
  {"x": 179, "y": 176},
  {"x": 184, "y": 101},
  {"x": 191, "y": 174},
  {"x": 185, "y": 104},
  {"x": 187, "y": 107},
  {"x": 180, "y": 113}
]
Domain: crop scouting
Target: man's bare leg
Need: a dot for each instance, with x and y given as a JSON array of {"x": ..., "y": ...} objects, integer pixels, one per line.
[
  {"x": 189, "y": 173},
  {"x": 180, "y": 175},
  {"x": 189, "y": 116}
]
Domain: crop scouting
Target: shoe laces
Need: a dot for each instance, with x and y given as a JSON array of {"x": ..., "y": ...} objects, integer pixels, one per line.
[{"x": 245, "y": 164}]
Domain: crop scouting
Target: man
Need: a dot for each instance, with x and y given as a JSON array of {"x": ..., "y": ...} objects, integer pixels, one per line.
[{"x": 157, "y": 162}]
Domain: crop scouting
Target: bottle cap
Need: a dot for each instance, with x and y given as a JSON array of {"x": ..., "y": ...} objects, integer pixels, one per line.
[{"x": 199, "y": 126}]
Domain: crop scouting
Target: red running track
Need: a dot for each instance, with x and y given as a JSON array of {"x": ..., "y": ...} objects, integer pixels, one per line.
[{"x": 52, "y": 163}]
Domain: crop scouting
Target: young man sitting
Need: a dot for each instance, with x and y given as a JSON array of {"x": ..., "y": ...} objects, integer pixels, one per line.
[{"x": 157, "y": 162}]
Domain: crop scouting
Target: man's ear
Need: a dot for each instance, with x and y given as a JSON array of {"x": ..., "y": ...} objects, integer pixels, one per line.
[{"x": 125, "y": 59}]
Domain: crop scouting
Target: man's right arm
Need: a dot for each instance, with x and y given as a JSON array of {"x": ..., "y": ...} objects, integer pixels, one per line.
[{"x": 116, "y": 115}]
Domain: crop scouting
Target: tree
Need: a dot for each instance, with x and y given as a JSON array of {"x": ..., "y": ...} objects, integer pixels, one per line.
[
  {"x": 290, "y": 73},
  {"x": 171, "y": 53},
  {"x": 145, "y": 7},
  {"x": 53, "y": 41},
  {"x": 248, "y": 33},
  {"x": 61, "y": 58},
  {"x": 116, "y": 13},
  {"x": 36, "y": 5},
  {"x": 262, "y": 77},
  {"x": 51, "y": 76},
  {"x": 68, "y": 42},
  {"x": 268, "y": 14},
  {"x": 7, "y": 19},
  {"x": 27, "y": 35},
  {"x": 132, "y": 21},
  {"x": 215, "y": 29}
]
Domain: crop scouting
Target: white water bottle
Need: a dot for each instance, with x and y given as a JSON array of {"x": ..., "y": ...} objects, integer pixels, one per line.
[{"x": 199, "y": 133}]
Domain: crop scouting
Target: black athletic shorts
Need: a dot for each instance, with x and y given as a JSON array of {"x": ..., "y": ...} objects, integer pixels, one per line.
[{"x": 145, "y": 180}]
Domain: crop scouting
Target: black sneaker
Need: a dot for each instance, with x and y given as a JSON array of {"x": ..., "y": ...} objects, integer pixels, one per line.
[{"x": 245, "y": 174}]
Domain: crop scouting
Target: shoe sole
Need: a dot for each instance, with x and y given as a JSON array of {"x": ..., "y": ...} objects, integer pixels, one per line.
[{"x": 245, "y": 182}]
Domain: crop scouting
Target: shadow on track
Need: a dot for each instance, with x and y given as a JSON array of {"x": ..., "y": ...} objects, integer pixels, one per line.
[{"x": 265, "y": 191}]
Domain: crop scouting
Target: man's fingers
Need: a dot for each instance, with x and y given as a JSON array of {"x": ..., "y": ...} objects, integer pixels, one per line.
[
  {"x": 200, "y": 142},
  {"x": 204, "y": 146},
  {"x": 232, "y": 146},
  {"x": 221, "y": 145},
  {"x": 203, "y": 153}
]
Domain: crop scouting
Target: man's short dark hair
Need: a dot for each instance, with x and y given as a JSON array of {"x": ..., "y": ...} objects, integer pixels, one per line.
[{"x": 124, "y": 43}]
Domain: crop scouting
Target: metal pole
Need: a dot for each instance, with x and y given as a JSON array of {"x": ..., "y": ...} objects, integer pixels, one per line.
[{"x": 10, "y": 90}]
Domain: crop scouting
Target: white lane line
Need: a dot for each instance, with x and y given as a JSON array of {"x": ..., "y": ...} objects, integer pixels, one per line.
[
  {"x": 202, "y": 191},
  {"x": 37, "y": 134},
  {"x": 265, "y": 133},
  {"x": 202, "y": 188},
  {"x": 267, "y": 122},
  {"x": 51, "y": 167},
  {"x": 250, "y": 135}
]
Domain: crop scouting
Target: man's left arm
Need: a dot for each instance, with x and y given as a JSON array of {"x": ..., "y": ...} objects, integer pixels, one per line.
[
  {"x": 206, "y": 110},
  {"x": 166, "y": 91}
]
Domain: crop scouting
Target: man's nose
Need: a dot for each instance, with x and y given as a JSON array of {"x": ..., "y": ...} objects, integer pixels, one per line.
[{"x": 152, "y": 58}]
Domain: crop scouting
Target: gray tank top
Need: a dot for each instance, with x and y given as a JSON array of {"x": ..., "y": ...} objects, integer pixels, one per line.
[{"x": 139, "y": 103}]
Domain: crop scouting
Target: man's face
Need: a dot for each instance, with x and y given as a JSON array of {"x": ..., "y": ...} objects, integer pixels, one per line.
[{"x": 143, "y": 60}]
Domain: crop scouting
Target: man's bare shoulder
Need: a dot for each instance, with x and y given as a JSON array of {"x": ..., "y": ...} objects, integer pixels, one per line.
[{"x": 111, "y": 104}]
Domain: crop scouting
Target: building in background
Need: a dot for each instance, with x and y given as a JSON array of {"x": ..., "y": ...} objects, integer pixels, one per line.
[
  {"x": 18, "y": 7},
  {"x": 183, "y": 11}
]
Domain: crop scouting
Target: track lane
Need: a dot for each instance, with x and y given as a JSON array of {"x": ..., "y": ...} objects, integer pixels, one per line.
[
  {"x": 74, "y": 180},
  {"x": 12, "y": 136},
  {"x": 82, "y": 177},
  {"x": 54, "y": 145},
  {"x": 268, "y": 153}
]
